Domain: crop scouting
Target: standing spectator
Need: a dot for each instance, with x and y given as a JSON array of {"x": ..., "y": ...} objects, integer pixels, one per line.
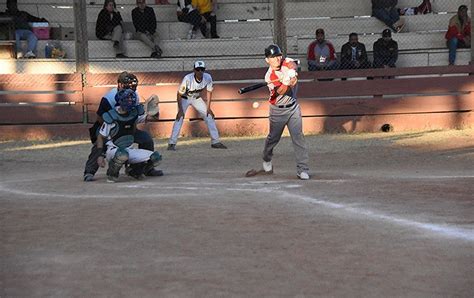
[
  {"x": 354, "y": 54},
  {"x": 459, "y": 33},
  {"x": 188, "y": 14},
  {"x": 109, "y": 26},
  {"x": 207, "y": 9},
  {"x": 144, "y": 20},
  {"x": 385, "y": 51},
  {"x": 385, "y": 11},
  {"x": 23, "y": 29},
  {"x": 321, "y": 53}
]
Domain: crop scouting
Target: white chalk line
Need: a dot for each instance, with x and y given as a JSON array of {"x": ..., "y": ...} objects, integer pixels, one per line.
[{"x": 443, "y": 230}]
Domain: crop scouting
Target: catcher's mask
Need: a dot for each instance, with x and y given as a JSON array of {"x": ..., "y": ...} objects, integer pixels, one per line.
[{"x": 126, "y": 99}]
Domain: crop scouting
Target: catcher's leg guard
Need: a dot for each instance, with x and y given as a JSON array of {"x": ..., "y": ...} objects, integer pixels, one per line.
[
  {"x": 155, "y": 159},
  {"x": 116, "y": 163}
]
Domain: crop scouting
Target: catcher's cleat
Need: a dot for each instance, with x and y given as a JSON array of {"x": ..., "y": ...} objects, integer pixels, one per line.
[
  {"x": 254, "y": 172},
  {"x": 112, "y": 179},
  {"x": 154, "y": 173}
]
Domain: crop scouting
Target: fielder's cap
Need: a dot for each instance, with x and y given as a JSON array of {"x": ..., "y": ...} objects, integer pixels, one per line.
[
  {"x": 199, "y": 64},
  {"x": 319, "y": 31},
  {"x": 387, "y": 33}
]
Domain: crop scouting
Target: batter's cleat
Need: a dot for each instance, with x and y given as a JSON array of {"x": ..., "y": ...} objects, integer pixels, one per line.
[
  {"x": 267, "y": 166},
  {"x": 303, "y": 176},
  {"x": 218, "y": 146},
  {"x": 154, "y": 173},
  {"x": 112, "y": 179},
  {"x": 171, "y": 147},
  {"x": 88, "y": 177}
]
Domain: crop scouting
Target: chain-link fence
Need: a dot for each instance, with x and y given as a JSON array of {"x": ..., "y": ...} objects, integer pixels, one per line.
[{"x": 167, "y": 35}]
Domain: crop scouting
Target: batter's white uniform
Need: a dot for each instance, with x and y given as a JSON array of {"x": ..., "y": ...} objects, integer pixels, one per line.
[
  {"x": 134, "y": 155},
  {"x": 190, "y": 91}
]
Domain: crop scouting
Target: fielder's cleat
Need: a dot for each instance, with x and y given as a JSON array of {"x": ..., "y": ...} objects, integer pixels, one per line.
[
  {"x": 303, "y": 176},
  {"x": 171, "y": 147},
  {"x": 154, "y": 173},
  {"x": 267, "y": 166},
  {"x": 218, "y": 146},
  {"x": 88, "y": 177}
]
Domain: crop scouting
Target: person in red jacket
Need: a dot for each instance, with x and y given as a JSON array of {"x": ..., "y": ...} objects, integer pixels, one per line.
[
  {"x": 321, "y": 53},
  {"x": 459, "y": 33}
]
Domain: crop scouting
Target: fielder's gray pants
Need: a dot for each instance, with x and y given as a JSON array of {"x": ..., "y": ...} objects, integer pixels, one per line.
[
  {"x": 291, "y": 117},
  {"x": 150, "y": 40},
  {"x": 201, "y": 108}
]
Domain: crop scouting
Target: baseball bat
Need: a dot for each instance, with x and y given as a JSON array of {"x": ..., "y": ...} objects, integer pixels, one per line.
[{"x": 255, "y": 87}]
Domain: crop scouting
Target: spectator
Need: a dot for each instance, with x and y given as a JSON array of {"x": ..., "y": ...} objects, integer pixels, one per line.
[
  {"x": 109, "y": 26},
  {"x": 354, "y": 54},
  {"x": 207, "y": 9},
  {"x": 459, "y": 33},
  {"x": 144, "y": 20},
  {"x": 385, "y": 51},
  {"x": 321, "y": 53},
  {"x": 423, "y": 8},
  {"x": 385, "y": 11},
  {"x": 23, "y": 29},
  {"x": 188, "y": 14}
]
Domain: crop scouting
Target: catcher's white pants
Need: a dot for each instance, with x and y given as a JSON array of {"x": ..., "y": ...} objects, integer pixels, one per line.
[
  {"x": 134, "y": 155},
  {"x": 201, "y": 108}
]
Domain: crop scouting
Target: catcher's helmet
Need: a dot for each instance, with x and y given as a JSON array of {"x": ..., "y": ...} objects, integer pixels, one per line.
[
  {"x": 273, "y": 51},
  {"x": 126, "y": 99},
  {"x": 128, "y": 80}
]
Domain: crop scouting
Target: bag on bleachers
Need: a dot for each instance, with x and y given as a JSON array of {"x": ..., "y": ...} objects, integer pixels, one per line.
[{"x": 53, "y": 49}]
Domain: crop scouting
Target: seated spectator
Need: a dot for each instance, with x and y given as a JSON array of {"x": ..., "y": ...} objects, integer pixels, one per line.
[
  {"x": 23, "y": 29},
  {"x": 385, "y": 11},
  {"x": 144, "y": 20},
  {"x": 385, "y": 51},
  {"x": 207, "y": 9},
  {"x": 321, "y": 53},
  {"x": 188, "y": 14},
  {"x": 354, "y": 54},
  {"x": 109, "y": 26},
  {"x": 423, "y": 8},
  {"x": 459, "y": 33}
]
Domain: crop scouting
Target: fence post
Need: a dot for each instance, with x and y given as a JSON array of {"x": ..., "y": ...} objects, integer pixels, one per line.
[
  {"x": 80, "y": 23},
  {"x": 279, "y": 24}
]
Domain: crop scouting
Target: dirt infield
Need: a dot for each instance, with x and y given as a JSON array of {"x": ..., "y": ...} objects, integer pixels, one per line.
[{"x": 384, "y": 215}]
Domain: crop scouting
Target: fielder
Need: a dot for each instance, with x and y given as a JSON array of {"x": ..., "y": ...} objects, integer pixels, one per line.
[
  {"x": 282, "y": 80},
  {"x": 189, "y": 93},
  {"x": 117, "y": 132}
]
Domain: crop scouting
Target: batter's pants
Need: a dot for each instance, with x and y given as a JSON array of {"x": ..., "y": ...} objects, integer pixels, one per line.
[
  {"x": 201, "y": 107},
  {"x": 290, "y": 117}
]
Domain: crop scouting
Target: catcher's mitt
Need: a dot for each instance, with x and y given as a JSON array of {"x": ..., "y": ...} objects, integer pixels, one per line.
[{"x": 152, "y": 107}]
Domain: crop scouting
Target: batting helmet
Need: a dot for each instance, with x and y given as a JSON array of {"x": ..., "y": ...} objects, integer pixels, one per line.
[
  {"x": 273, "y": 51},
  {"x": 126, "y": 99}
]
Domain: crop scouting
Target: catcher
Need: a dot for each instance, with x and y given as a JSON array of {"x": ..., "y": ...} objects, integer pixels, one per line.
[{"x": 116, "y": 135}]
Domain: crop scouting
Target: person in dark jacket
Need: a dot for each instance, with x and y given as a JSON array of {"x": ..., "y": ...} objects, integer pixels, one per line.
[
  {"x": 385, "y": 51},
  {"x": 144, "y": 20},
  {"x": 187, "y": 13},
  {"x": 109, "y": 26},
  {"x": 385, "y": 11},
  {"x": 23, "y": 29},
  {"x": 354, "y": 54}
]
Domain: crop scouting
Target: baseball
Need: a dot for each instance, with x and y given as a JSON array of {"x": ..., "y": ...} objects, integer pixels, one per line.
[{"x": 255, "y": 104}]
